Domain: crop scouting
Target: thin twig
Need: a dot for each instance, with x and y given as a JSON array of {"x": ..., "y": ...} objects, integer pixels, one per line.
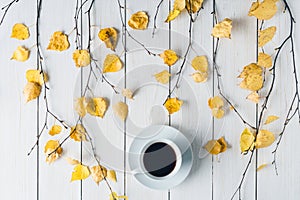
[{"x": 6, "y": 9}]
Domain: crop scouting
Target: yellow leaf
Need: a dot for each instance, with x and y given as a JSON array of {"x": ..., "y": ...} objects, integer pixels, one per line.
[
  {"x": 179, "y": 5},
  {"x": 215, "y": 102},
  {"x": 138, "y": 20},
  {"x": 72, "y": 161},
  {"x": 253, "y": 79},
  {"x": 35, "y": 76},
  {"x": 247, "y": 141},
  {"x": 163, "y": 77},
  {"x": 78, "y": 133},
  {"x": 271, "y": 119},
  {"x": 218, "y": 112},
  {"x": 172, "y": 15},
  {"x": 264, "y": 10},
  {"x": 111, "y": 174},
  {"x": 222, "y": 29},
  {"x": 97, "y": 106},
  {"x": 127, "y": 93},
  {"x": 261, "y": 167},
  {"x": 253, "y": 96},
  {"x": 80, "y": 172},
  {"x": 173, "y": 105},
  {"x": 114, "y": 196},
  {"x": 121, "y": 110},
  {"x": 112, "y": 63},
  {"x": 169, "y": 57},
  {"x": 264, "y": 139},
  {"x": 199, "y": 63},
  {"x": 50, "y": 147},
  {"x": 20, "y": 32},
  {"x": 81, "y": 58},
  {"x": 266, "y": 35},
  {"x": 250, "y": 69},
  {"x": 55, "y": 129},
  {"x": 264, "y": 60},
  {"x": 196, "y": 5},
  {"x": 21, "y": 54},
  {"x": 98, "y": 173},
  {"x": 31, "y": 91},
  {"x": 109, "y": 36},
  {"x": 216, "y": 146},
  {"x": 80, "y": 106},
  {"x": 58, "y": 42},
  {"x": 199, "y": 77}
]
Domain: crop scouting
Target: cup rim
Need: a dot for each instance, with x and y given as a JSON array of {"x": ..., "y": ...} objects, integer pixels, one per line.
[{"x": 178, "y": 155}]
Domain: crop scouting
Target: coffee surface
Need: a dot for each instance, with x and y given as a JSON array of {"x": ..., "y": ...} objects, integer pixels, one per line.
[{"x": 159, "y": 159}]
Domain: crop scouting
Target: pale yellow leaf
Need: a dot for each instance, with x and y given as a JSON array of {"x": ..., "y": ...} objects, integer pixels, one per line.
[
  {"x": 261, "y": 167},
  {"x": 216, "y": 146},
  {"x": 266, "y": 35},
  {"x": 58, "y": 42},
  {"x": 78, "y": 133},
  {"x": 111, "y": 174},
  {"x": 138, "y": 20},
  {"x": 179, "y": 5},
  {"x": 163, "y": 77},
  {"x": 112, "y": 63},
  {"x": 121, "y": 110},
  {"x": 127, "y": 93},
  {"x": 80, "y": 106},
  {"x": 218, "y": 112},
  {"x": 52, "y": 150},
  {"x": 55, "y": 129},
  {"x": 21, "y": 54},
  {"x": 82, "y": 58},
  {"x": 254, "y": 97},
  {"x": 98, "y": 173},
  {"x": 263, "y": 10},
  {"x": 253, "y": 79},
  {"x": 173, "y": 105},
  {"x": 199, "y": 77},
  {"x": 31, "y": 91},
  {"x": 264, "y": 60},
  {"x": 196, "y": 5},
  {"x": 20, "y": 32},
  {"x": 264, "y": 139},
  {"x": 97, "y": 106},
  {"x": 36, "y": 76},
  {"x": 215, "y": 102},
  {"x": 80, "y": 172},
  {"x": 271, "y": 119},
  {"x": 114, "y": 196},
  {"x": 246, "y": 141},
  {"x": 109, "y": 36},
  {"x": 169, "y": 56},
  {"x": 199, "y": 63},
  {"x": 222, "y": 29},
  {"x": 72, "y": 161}
]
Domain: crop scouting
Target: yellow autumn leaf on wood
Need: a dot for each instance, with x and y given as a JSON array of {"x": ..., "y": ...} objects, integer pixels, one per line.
[
  {"x": 20, "y": 32},
  {"x": 253, "y": 96},
  {"x": 173, "y": 105},
  {"x": 246, "y": 141},
  {"x": 252, "y": 75},
  {"x": 216, "y": 146},
  {"x": 169, "y": 56},
  {"x": 112, "y": 63},
  {"x": 80, "y": 106},
  {"x": 163, "y": 77},
  {"x": 78, "y": 133},
  {"x": 111, "y": 174},
  {"x": 138, "y": 20},
  {"x": 264, "y": 139},
  {"x": 261, "y": 167},
  {"x": 199, "y": 77},
  {"x": 199, "y": 63},
  {"x": 271, "y": 119},
  {"x": 215, "y": 102},
  {"x": 172, "y": 15},
  {"x": 72, "y": 161},
  {"x": 58, "y": 42},
  {"x": 36, "y": 76},
  {"x": 114, "y": 196},
  {"x": 82, "y": 58},
  {"x": 55, "y": 129},
  {"x": 264, "y": 60},
  {"x": 109, "y": 36},
  {"x": 80, "y": 172},
  {"x": 222, "y": 29},
  {"x": 217, "y": 112},
  {"x": 52, "y": 150},
  {"x": 178, "y": 6},
  {"x": 97, "y": 106},
  {"x": 21, "y": 54},
  {"x": 266, "y": 35},
  {"x": 263, "y": 10},
  {"x": 98, "y": 173},
  {"x": 121, "y": 110},
  {"x": 127, "y": 93},
  {"x": 31, "y": 91},
  {"x": 196, "y": 5}
]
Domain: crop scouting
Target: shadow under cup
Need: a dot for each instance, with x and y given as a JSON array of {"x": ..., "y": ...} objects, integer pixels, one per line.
[{"x": 160, "y": 159}]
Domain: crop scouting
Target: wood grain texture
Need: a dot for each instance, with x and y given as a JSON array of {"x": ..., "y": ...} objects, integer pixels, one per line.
[{"x": 211, "y": 178}]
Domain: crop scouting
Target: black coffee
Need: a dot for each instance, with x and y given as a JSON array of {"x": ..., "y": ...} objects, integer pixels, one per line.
[{"x": 159, "y": 159}]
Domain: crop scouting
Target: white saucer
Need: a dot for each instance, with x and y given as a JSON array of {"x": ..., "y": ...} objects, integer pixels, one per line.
[{"x": 154, "y": 133}]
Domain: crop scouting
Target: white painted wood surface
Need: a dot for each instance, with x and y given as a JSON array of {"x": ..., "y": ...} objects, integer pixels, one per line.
[{"x": 211, "y": 177}]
